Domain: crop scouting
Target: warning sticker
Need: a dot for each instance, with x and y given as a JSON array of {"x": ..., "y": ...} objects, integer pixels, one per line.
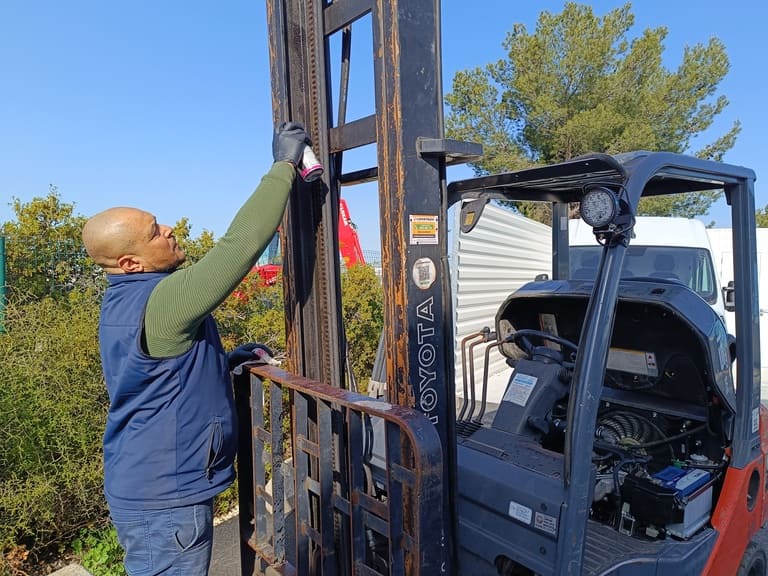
[
  {"x": 545, "y": 522},
  {"x": 520, "y": 512},
  {"x": 423, "y": 229},
  {"x": 519, "y": 389}
]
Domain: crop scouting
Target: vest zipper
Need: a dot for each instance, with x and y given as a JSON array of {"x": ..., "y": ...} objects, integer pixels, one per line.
[{"x": 214, "y": 446}]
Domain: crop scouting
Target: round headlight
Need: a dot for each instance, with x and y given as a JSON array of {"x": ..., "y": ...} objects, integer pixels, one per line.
[{"x": 599, "y": 206}]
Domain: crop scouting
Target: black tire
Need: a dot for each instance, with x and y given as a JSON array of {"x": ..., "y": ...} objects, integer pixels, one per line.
[{"x": 754, "y": 562}]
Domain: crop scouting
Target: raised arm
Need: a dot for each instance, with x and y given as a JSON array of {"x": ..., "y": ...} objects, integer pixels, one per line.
[{"x": 181, "y": 301}]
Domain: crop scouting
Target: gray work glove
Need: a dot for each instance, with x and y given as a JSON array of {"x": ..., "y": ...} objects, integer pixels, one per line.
[
  {"x": 251, "y": 352},
  {"x": 289, "y": 142}
]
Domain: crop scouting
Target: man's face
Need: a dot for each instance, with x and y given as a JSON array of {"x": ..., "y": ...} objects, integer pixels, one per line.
[{"x": 158, "y": 247}]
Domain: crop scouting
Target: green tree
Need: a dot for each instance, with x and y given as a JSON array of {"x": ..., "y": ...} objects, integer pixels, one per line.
[
  {"x": 195, "y": 248},
  {"x": 579, "y": 84},
  {"x": 44, "y": 250},
  {"x": 363, "y": 314},
  {"x": 761, "y": 216}
]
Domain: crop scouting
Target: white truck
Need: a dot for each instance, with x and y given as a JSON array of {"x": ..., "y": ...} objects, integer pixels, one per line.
[
  {"x": 663, "y": 247},
  {"x": 721, "y": 240}
]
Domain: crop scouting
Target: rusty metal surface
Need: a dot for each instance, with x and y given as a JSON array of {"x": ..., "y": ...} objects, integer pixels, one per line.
[
  {"x": 312, "y": 292},
  {"x": 304, "y": 517},
  {"x": 412, "y": 191}
]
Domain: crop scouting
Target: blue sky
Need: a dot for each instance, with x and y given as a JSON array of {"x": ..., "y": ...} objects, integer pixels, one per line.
[{"x": 166, "y": 105}]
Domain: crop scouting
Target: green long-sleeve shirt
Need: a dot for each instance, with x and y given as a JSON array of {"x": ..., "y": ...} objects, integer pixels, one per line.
[{"x": 180, "y": 302}]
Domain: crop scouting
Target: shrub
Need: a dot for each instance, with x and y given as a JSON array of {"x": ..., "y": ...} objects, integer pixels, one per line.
[
  {"x": 253, "y": 313},
  {"x": 363, "y": 313},
  {"x": 53, "y": 405}
]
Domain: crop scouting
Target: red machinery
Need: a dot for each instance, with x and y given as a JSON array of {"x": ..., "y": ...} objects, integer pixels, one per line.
[{"x": 349, "y": 242}]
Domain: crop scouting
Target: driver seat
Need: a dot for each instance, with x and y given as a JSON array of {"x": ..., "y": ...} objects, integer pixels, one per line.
[{"x": 664, "y": 266}]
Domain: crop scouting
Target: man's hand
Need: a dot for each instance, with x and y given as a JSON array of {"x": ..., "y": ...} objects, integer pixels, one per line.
[
  {"x": 289, "y": 142},
  {"x": 251, "y": 352}
]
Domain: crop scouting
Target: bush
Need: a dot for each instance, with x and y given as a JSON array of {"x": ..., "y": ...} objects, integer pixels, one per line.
[
  {"x": 253, "y": 313},
  {"x": 53, "y": 405},
  {"x": 363, "y": 313}
]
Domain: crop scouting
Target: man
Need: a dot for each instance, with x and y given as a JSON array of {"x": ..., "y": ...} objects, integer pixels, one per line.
[{"x": 170, "y": 437}]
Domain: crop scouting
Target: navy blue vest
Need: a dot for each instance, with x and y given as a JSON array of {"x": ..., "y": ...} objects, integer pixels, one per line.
[{"x": 170, "y": 437}]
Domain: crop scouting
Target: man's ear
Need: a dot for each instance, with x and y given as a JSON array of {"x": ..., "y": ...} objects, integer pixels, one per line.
[{"x": 130, "y": 264}]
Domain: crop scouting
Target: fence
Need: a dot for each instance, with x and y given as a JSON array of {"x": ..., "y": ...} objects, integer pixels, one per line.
[{"x": 372, "y": 257}]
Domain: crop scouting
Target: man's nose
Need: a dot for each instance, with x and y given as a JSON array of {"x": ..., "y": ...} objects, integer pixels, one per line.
[{"x": 166, "y": 231}]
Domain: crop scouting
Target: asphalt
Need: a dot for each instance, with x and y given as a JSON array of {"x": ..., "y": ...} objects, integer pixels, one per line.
[{"x": 225, "y": 559}]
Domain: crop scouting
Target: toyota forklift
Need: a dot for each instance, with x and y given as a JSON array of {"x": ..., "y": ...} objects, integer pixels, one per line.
[{"x": 630, "y": 438}]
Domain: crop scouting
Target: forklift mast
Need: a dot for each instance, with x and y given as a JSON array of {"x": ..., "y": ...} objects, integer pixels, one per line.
[
  {"x": 406, "y": 128},
  {"x": 310, "y": 44}
]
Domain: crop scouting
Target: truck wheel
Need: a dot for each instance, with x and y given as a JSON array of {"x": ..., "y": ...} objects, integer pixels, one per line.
[{"x": 754, "y": 562}]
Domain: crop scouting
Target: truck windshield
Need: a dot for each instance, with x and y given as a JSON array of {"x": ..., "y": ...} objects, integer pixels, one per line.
[
  {"x": 691, "y": 266},
  {"x": 271, "y": 254}
]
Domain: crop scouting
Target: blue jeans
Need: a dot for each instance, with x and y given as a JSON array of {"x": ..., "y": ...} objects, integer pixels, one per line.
[{"x": 170, "y": 541}]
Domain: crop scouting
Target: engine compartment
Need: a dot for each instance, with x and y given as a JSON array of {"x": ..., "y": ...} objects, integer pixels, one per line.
[
  {"x": 655, "y": 473},
  {"x": 663, "y": 428}
]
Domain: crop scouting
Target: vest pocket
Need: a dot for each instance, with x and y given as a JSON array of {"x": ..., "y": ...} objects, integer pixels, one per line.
[{"x": 215, "y": 443}]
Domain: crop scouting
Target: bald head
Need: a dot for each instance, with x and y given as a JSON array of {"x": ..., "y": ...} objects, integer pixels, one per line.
[{"x": 125, "y": 239}]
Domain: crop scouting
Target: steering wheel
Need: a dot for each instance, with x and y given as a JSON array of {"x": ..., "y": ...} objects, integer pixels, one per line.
[{"x": 522, "y": 339}]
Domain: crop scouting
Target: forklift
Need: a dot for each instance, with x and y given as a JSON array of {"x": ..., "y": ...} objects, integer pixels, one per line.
[{"x": 630, "y": 438}]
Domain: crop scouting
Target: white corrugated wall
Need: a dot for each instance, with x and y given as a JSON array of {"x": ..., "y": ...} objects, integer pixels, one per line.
[
  {"x": 503, "y": 252},
  {"x": 722, "y": 253}
]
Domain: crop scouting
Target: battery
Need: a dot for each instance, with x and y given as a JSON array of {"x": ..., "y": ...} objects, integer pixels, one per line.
[
  {"x": 676, "y": 499},
  {"x": 684, "y": 481}
]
